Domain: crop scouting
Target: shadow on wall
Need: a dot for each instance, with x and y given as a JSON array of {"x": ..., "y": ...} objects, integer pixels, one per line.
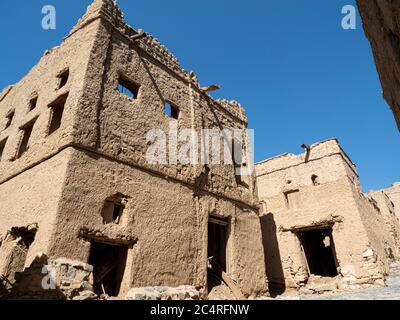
[
  {"x": 273, "y": 262},
  {"x": 28, "y": 284}
]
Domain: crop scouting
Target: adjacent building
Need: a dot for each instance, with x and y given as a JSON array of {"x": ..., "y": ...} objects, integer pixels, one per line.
[{"x": 320, "y": 231}]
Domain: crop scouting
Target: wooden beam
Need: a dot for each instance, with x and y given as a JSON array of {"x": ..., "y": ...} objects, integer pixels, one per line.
[{"x": 228, "y": 281}]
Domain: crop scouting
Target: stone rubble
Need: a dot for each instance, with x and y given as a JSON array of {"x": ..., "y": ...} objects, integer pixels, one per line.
[{"x": 164, "y": 293}]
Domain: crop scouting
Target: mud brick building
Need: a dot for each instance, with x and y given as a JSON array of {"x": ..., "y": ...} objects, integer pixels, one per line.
[
  {"x": 75, "y": 183},
  {"x": 321, "y": 233}
]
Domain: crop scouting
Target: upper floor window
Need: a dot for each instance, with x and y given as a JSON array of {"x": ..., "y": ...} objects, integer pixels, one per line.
[
  {"x": 63, "y": 78},
  {"x": 57, "y": 111},
  {"x": 26, "y": 136},
  {"x": 9, "y": 118},
  {"x": 33, "y": 103},
  {"x": 128, "y": 87},
  {"x": 171, "y": 110}
]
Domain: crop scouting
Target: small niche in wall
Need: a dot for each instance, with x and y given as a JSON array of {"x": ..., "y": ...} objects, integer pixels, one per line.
[
  {"x": 292, "y": 199},
  {"x": 315, "y": 180}
]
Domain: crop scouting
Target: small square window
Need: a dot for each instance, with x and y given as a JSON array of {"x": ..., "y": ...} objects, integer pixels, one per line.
[
  {"x": 128, "y": 88},
  {"x": 112, "y": 212},
  {"x": 171, "y": 110},
  {"x": 9, "y": 119},
  {"x": 64, "y": 76},
  {"x": 33, "y": 103}
]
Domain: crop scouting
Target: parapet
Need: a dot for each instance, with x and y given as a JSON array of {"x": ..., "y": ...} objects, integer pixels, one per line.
[{"x": 318, "y": 151}]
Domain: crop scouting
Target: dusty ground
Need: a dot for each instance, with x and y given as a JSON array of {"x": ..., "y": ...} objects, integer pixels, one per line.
[{"x": 391, "y": 292}]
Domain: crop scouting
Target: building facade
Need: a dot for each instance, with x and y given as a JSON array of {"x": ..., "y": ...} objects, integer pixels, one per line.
[{"x": 76, "y": 183}]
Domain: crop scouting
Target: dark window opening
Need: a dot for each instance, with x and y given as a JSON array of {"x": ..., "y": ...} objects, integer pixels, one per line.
[
  {"x": 26, "y": 136},
  {"x": 2, "y": 147},
  {"x": 292, "y": 199},
  {"x": 112, "y": 212},
  {"x": 171, "y": 110},
  {"x": 33, "y": 103},
  {"x": 64, "y": 76},
  {"x": 108, "y": 263},
  {"x": 9, "y": 119},
  {"x": 128, "y": 88},
  {"x": 57, "y": 111},
  {"x": 314, "y": 179},
  {"x": 319, "y": 251}
]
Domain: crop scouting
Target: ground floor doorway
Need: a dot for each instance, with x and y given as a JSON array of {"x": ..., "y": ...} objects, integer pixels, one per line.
[
  {"x": 319, "y": 251},
  {"x": 109, "y": 262}
]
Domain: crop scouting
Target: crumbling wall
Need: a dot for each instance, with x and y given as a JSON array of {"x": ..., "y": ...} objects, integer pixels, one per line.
[
  {"x": 32, "y": 198},
  {"x": 43, "y": 82},
  {"x": 31, "y": 183},
  {"x": 386, "y": 209},
  {"x": 47, "y": 279},
  {"x": 124, "y": 123},
  {"x": 377, "y": 257}
]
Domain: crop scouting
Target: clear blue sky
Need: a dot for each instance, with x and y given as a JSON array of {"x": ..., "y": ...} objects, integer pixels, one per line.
[{"x": 300, "y": 76}]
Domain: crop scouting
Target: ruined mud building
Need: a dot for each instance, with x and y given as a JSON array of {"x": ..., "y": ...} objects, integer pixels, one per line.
[
  {"x": 320, "y": 232},
  {"x": 75, "y": 184}
]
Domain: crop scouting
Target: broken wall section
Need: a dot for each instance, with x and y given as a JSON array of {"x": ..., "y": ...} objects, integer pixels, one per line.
[
  {"x": 46, "y": 279},
  {"x": 385, "y": 208}
]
